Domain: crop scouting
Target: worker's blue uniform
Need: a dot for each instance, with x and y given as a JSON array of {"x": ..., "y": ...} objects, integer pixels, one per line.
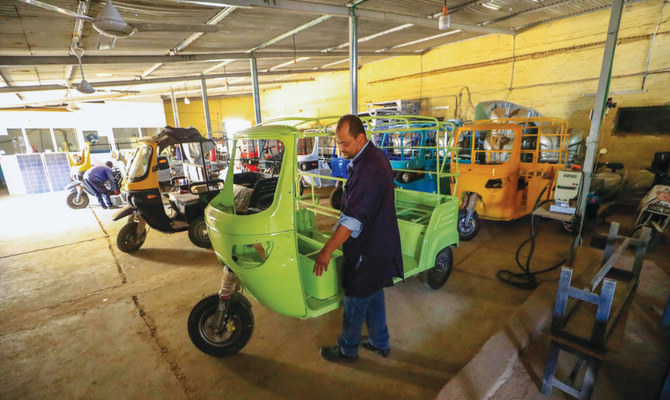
[
  {"x": 372, "y": 254},
  {"x": 95, "y": 178}
]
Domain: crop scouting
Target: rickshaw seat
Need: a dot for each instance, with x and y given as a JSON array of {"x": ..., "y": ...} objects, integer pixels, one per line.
[
  {"x": 263, "y": 194},
  {"x": 182, "y": 200}
]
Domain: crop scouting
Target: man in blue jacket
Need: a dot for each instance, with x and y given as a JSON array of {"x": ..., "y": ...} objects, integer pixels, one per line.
[
  {"x": 370, "y": 239},
  {"x": 96, "y": 177}
]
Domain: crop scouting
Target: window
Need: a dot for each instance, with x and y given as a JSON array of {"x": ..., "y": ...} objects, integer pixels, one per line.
[
  {"x": 149, "y": 132},
  {"x": 40, "y": 140},
  {"x": 649, "y": 120},
  {"x": 99, "y": 144},
  {"x": 66, "y": 139},
  {"x": 13, "y": 143},
  {"x": 139, "y": 165},
  {"x": 126, "y": 138}
]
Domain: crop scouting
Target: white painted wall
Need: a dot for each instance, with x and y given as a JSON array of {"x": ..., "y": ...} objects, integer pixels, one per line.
[{"x": 139, "y": 112}]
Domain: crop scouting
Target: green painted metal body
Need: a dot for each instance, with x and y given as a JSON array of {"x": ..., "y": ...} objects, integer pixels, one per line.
[{"x": 273, "y": 252}]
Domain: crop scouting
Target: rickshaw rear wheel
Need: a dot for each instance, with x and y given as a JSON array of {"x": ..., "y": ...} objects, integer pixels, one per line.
[
  {"x": 336, "y": 198},
  {"x": 127, "y": 240},
  {"x": 198, "y": 234},
  {"x": 437, "y": 276},
  {"x": 467, "y": 229},
  {"x": 238, "y": 330},
  {"x": 72, "y": 202}
]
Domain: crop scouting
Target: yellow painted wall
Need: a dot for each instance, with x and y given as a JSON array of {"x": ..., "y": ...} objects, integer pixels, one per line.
[
  {"x": 237, "y": 107},
  {"x": 556, "y": 64}
]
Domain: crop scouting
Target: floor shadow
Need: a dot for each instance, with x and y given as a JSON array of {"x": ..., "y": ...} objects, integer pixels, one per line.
[
  {"x": 181, "y": 257},
  {"x": 336, "y": 381}
]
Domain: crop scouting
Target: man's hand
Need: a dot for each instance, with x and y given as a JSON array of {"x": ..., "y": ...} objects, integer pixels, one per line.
[
  {"x": 340, "y": 236},
  {"x": 322, "y": 261}
]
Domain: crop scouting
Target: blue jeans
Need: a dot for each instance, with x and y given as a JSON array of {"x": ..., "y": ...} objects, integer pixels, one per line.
[
  {"x": 370, "y": 309},
  {"x": 100, "y": 192}
]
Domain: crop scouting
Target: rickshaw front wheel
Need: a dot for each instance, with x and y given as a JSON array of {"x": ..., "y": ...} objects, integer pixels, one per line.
[
  {"x": 72, "y": 201},
  {"x": 467, "y": 229},
  {"x": 127, "y": 240},
  {"x": 198, "y": 234},
  {"x": 236, "y": 331},
  {"x": 437, "y": 276}
]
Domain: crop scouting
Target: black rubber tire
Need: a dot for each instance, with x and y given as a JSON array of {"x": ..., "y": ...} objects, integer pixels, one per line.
[
  {"x": 336, "y": 198},
  {"x": 198, "y": 234},
  {"x": 466, "y": 233},
  {"x": 302, "y": 188},
  {"x": 437, "y": 276},
  {"x": 127, "y": 240},
  {"x": 71, "y": 200},
  {"x": 239, "y": 314}
]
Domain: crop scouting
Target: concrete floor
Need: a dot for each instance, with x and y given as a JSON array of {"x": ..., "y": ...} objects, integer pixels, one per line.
[{"x": 79, "y": 319}]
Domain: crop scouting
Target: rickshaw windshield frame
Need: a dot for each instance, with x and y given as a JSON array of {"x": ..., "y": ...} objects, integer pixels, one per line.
[{"x": 140, "y": 164}]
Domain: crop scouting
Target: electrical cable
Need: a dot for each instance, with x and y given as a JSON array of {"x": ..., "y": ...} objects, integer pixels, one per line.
[{"x": 527, "y": 279}]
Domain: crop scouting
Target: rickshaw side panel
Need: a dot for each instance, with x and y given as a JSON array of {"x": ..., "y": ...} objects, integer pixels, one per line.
[
  {"x": 425, "y": 228},
  {"x": 274, "y": 281}
]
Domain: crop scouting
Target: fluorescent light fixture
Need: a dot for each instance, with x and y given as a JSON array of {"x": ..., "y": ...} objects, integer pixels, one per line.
[
  {"x": 103, "y": 74},
  {"x": 284, "y": 77},
  {"x": 151, "y": 70},
  {"x": 491, "y": 6},
  {"x": 335, "y": 63},
  {"x": 290, "y": 62},
  {"x": 217, "y": 66},
  {"x": 369, "y": 37},
  {"x": 419, "y": 41}
]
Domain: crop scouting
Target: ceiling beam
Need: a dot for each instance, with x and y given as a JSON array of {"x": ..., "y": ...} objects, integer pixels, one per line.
[
  {"x": 7, "y": 85},
  {"x": 167, "y": 79},
  {"x": 343, "y": 11},
  {"x": 215, "y": 90},
  {"x": 212, "y": 21},
  {"x": 291, "y": 32},
  {"x": 192, "y": 38},
  {"x": 7, "y": 61}
]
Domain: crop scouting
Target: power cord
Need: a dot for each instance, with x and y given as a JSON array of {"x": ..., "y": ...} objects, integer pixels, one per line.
[{"x": 527, "y": 279}]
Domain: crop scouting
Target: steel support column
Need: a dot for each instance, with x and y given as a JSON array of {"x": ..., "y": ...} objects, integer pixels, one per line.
[
  {"x": 353, "y": 59},
  {"x": 599, "y": 107},
  {"x": 175, "y": 111},
  {"x": 205, "y": 107},
  {"x": 254, "y": 86}
]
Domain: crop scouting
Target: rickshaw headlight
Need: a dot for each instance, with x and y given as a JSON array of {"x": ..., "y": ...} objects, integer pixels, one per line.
[{"x": 405, "y": 177}]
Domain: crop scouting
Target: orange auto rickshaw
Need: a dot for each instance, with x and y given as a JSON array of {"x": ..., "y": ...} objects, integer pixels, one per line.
[{"x": 505, "y": 165}]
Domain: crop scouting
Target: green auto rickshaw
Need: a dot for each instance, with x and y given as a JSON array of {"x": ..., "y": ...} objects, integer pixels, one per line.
[{"x": 267, "y": 236}]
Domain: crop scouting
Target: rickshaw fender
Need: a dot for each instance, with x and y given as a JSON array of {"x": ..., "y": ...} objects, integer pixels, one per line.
[
  {"x": 72, "y": 185},
  {"x": 124, "y": 212},
  {"x": 239, "y": 298}
]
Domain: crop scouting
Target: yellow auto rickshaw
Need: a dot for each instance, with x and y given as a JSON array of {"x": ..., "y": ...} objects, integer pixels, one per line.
[
  {"x": 168, "y": 209},
  {"x": 504, "y": 165}
]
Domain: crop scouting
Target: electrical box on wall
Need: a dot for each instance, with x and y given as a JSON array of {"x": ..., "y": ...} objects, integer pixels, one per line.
[{"x": 568, "y": 183}]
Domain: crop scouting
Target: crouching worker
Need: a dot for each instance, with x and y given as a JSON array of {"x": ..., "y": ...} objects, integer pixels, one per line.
[
  {"x": 369, "y": 235},
  {"x": 96, "y": 178}
]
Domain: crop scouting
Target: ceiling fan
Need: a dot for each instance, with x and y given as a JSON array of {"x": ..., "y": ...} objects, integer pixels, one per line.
[{"x": 111, "y": 25}]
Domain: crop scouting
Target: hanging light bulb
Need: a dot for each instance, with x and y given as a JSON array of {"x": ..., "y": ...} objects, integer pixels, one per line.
[
  {"x": 186, "y": 100},
  {"x": 444, "y": 22}
]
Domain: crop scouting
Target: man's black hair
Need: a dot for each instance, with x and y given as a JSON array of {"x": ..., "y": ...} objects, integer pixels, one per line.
[
  {"x": 355, "y": 125},
  {"x": 109, "y": 164}
]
